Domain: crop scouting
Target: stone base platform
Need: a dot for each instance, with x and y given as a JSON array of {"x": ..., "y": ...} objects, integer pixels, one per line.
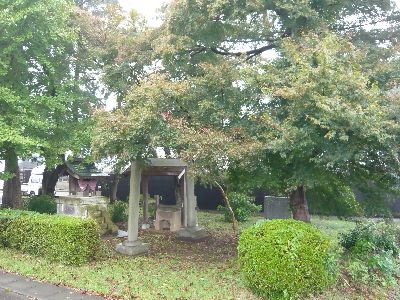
[
  {"x": 132, "y": 248},
  {"x": 192, "y": 233}
]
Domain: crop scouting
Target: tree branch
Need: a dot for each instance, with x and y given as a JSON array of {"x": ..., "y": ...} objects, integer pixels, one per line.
[{"x": 249, "y": 53}]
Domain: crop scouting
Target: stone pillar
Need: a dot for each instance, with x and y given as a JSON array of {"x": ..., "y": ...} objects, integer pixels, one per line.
[
  {"x": 185, "y": 203},
  {"x": 145, "y": 191},
  {"x": 190, "y": 231},
  {"x": 191, "y": 202},
  {"x": 157, "y": 201},
  {"x": 132, "y": 246}
]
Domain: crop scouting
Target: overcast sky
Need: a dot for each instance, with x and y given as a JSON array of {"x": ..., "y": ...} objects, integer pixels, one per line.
[{"x": 148, "y": 8}]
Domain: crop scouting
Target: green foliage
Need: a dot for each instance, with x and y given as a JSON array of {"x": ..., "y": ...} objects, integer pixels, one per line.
[
  {"x": 43, "y": 204},
  {"x": 63, "y": 239},
  {"x": 118, "y": 211},
  {"x": 243, "y": 207},
  {"x": 369, "y": 237},
  {"x": 333, "y": 200},
  {"x": 285, "y": 259},
  {"x": 373, "y": 253},
  {"x": 208, "y": 273}
]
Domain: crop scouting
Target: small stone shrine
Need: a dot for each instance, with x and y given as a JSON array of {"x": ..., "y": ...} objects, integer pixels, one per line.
[
  {"x": 180, "y": 217},
  {"x": 84, "y": 197}
]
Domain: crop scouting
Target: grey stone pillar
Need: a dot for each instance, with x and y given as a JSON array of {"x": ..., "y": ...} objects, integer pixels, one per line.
[
  {"x": 145, "y": 192},
  {"x": 190, "y": 230},
  {"x": 132, "y": 246},
  {"x": 191, "y": 202}
]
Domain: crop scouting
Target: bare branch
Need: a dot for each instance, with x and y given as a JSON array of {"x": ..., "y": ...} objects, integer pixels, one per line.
[{"x": 248, "y": 54}]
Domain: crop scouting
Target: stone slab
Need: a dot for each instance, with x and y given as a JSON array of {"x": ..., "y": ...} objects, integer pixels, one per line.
[
  {"x": 192, "y": 233},
  {"x": 72, "y": 296},
  {"x": 133, "y": 250},
  {"x": 277, "y": 208},
  {"x": 44, "y": 290},
  {"x": 8, "y": 295},
  {"x": 7, "y": 278},
  {"x": 19, "y": 287}
]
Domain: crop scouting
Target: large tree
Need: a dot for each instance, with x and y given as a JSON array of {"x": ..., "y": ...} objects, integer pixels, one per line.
[
  {"x": 325, "y": 118},
  {"x": 202, "y": 31},
  {"x": 34, "y": 40},
  {"x": 249, "y": 28},
  {"x": 283, "y": 123},
  {"x": 47, "y": 77}
]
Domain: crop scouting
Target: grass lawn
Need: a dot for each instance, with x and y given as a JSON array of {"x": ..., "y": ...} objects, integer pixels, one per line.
[{"x": 173, "y": 269}]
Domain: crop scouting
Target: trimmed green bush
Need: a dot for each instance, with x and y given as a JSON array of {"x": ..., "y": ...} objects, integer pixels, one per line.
[
  {"x": 285, "y": 259},
  {"x": 43, "y": 204},
  {"x": 243, "y": 207},
  {"x": 65, "y": 239},
  {"x": 118, "y": 211}
]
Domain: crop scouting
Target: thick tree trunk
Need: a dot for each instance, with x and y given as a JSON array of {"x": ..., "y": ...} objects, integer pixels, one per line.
[
  {"x": 298, "y": 203},
  {"x": 12, "y": 197},
  {"x": 50, "y": 179},
  {"x": 114, "y": 189},
  {"x": 228, "y": 206}
]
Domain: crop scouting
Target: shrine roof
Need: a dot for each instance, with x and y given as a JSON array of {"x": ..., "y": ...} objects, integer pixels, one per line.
[{"x": 79, "y": 169}]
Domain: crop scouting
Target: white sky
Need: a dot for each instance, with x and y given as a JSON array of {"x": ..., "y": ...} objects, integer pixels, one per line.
[{"x": 148, "y": 8}]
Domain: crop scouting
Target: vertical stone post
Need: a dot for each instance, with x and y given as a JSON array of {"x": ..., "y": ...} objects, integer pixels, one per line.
[
  {"x": 190, "y": 231},
  {"x": 157, "y": 200},
  {"x": 145, "y": 191},
  {"x": 132, "y": 246},
  {"x": 191, "y": 203}
]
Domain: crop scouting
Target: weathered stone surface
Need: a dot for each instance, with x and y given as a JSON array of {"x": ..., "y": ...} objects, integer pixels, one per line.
[
  {"x": 132, "y": 249},
  {"x": 192, "y": 233},
  {"x": 168, "y": 217},
  {"x": 88, "y": 207},
  {"x": 15, "y": 287},
  {"x": 277, "y": 208}
]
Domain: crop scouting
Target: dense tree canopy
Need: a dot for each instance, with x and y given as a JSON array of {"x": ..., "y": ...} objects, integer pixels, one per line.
[
  {"x": 47, "y": 83},
  {"x": 285, "y": 96},
  {"x": 317, "y": 111}
]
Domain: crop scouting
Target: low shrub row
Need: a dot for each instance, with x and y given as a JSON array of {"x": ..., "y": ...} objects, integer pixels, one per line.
[
  {"x": 64, "y": 239},
  {"x": 43, "y": 204}
]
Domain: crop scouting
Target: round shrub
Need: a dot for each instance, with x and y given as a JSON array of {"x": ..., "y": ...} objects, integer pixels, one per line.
[
  {"x": 43, "y": 204},
  {"x": 285, "y": 259}
]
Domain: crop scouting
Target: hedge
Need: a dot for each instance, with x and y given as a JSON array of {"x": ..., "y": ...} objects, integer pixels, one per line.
[
  {"x": 64, "y": 239},
  {"x": 43, "y": 204},
  {"x": 285, "y": 259}
]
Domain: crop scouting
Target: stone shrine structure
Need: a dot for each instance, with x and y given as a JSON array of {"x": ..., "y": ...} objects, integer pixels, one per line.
[
  {"x": 84, "y": 199},
  {"x": 180, "y": 217}
]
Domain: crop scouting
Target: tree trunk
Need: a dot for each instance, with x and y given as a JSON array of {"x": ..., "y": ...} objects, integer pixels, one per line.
[
  {"x": 228, "y": 206},
  {"x": 50, "y": 179},
  {"x": 12, "y": 197},
  {"x": 114, "y": 189},
  {"x": 298, "y": 203}
]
